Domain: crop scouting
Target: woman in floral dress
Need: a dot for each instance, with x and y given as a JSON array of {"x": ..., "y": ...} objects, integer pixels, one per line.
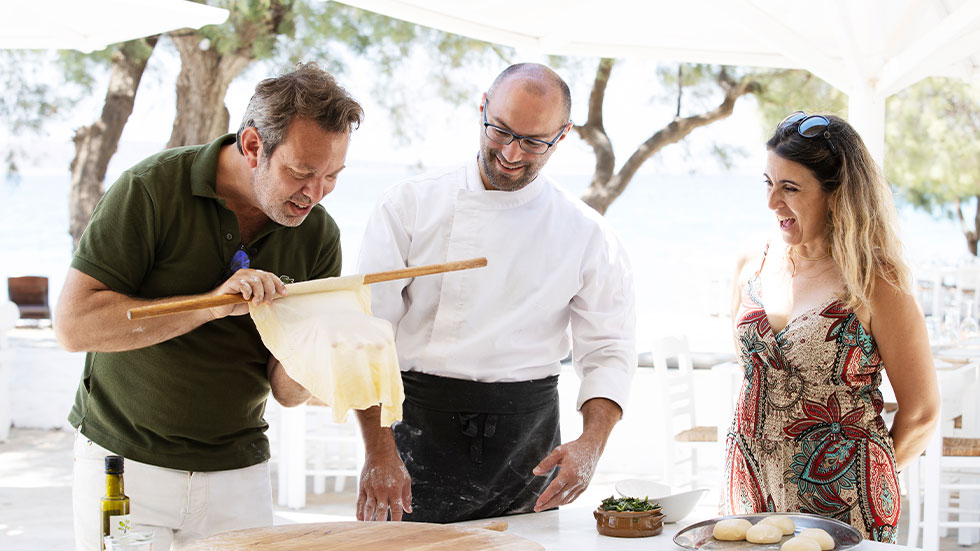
[{"x": 819, "y": 315}]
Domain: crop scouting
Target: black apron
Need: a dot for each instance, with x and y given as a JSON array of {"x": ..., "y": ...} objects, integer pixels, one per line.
[{"x": 470, "y": 447}]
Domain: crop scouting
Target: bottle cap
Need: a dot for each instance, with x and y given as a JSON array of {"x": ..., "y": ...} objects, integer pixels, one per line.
[{"x": 113, "y": 464}]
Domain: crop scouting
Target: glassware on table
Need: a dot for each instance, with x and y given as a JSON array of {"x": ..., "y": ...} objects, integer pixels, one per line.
[
  {"x": 130, "y": 541},
  {"x": 969, "y": 326},
  {"x": 949, "y": 332},
  {"x": 932, "y": 329}
]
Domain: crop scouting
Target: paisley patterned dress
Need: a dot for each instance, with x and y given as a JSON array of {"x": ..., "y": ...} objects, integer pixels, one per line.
[{"x": 808, "y": 434}]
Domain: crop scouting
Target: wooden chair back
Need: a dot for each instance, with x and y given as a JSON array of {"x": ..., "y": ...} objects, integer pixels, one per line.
[{"x": 30, "y": 294}]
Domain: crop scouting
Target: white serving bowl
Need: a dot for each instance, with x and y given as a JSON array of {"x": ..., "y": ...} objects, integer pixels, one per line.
[{"x": 673, "y": 506}]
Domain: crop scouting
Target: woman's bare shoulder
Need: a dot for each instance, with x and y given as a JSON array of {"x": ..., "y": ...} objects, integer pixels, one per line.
[{"x": 747, "y": 261}]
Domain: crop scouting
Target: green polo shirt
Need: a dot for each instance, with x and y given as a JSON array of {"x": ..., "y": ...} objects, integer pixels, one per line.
[{"x": 194, "y": 402}]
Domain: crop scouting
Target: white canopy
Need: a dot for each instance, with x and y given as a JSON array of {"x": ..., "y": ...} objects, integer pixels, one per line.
[
  {"x": 868, "y": 49},
  {"x": 90, "y": 25}
]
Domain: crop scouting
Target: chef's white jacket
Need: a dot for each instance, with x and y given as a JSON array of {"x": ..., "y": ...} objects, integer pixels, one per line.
[{"x": 553, "y": 264}]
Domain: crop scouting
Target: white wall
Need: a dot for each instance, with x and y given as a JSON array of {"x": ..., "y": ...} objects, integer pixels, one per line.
[{"x": 41, "y": 379}]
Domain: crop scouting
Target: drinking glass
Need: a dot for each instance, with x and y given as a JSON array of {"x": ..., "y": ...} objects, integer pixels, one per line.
[
  {"x": 132, "y": 541},
  {"x": 949, "y": 333},
  {"x": 969, "y": 327}
]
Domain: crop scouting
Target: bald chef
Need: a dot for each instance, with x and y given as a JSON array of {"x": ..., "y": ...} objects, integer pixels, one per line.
[{"x": 480, "y": 350}]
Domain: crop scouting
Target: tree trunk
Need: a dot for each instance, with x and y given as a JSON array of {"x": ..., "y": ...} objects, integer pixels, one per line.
[
  {"x": 606, "y": 185},
  {"x": 593, "y": 131},
  {"x": 206, "y": 71},
  {"x": 972, "y": 235},
  {"x": 201, "y": 86},
  {"x": 96, "y": 144}
]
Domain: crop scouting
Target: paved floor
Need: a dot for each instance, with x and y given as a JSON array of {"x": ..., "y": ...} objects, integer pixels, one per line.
[{"x": 35, "y": 495}]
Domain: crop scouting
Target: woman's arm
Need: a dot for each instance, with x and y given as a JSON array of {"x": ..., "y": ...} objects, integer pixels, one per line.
[
  {"x": 900, "y": 331},
  {"x": 744, "y": 266}
]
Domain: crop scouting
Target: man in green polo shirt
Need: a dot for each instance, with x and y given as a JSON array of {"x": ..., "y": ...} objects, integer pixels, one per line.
[{"x": 182, "y": 397}]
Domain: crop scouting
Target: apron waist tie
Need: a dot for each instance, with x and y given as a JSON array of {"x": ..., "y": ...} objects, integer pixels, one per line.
[{"x": 469, "y": 424}]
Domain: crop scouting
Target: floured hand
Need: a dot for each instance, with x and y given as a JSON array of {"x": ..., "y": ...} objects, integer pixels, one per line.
[
  {"x": 385, "y": 485},
  {"x": 576, "y": 463}
]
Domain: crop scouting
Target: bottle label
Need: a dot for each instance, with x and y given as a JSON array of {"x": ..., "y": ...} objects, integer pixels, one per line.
[{"x": 119, "y": 525}]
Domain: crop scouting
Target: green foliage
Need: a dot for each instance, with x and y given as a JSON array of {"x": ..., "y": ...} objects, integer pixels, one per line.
[
  {"x": 34, "y": 95},
  {"x": 82, "y": 69},
  {"x": 248, "y": 27},
  {"x": 932, "y": 136},
  {"x": 334, "y": 34},
  {"x": 699, "y": 83},
  {"x": 330, "y": 33},
  {"x": 785, "y": 91},
  {"x": 726, "y": 155}
]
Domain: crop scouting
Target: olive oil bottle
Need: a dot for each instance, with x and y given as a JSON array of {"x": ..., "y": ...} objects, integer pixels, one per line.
[{"x": 115, "y": 504}]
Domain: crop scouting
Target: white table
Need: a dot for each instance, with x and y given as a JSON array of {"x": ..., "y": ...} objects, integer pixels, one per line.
[{"x": 572, "y": 528}]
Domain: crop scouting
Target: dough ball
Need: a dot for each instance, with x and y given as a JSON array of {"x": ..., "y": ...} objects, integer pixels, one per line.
[
  {"x": 764, "y": 533},
  {"x": 782, "y": 522},
  {"x": 731, "y": 529},
  {"x": 800, "y": 543},
  {"x": 825, "y": 540}
]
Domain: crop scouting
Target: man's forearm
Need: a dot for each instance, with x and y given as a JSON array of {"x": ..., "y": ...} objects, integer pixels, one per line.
[
  {"x": 377, "y": 439},
  {"x": 101, "y": 325},
  {"x": 599, "y": 416},
  {"x": 91, "y": 317},
  {"x": 285, "y": 390}
]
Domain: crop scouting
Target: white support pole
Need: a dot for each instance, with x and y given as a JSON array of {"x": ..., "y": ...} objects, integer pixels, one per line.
[
  {"x": 292, "y": 457},
  {"x": 866, "y": 113},
  {"x": 932, "y": 467}
]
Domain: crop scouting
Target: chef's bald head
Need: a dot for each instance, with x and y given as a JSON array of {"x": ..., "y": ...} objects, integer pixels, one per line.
[{"x": 539, "y": 79}]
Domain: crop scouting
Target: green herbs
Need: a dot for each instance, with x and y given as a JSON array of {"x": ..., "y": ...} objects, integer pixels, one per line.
[{"x": 628, "y": 504}]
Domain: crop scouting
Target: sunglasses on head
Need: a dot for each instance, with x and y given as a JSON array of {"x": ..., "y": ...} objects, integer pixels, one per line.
[{"x": 810, "y": 126}]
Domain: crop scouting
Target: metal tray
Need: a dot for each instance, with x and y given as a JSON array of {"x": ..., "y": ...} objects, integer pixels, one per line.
[{"x": 698, "y": 536}]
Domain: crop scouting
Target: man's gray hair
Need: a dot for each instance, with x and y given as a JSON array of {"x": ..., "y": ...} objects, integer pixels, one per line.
[{"x": 306, "y": 92}]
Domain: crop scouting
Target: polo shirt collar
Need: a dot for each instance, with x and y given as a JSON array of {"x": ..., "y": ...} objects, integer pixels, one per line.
[{"x": 204, "y": 170}]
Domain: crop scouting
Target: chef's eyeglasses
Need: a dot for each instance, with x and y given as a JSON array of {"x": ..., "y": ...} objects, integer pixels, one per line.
[
  {"x": 505, "y": 137},
  {"x": 810, "y": 126}
]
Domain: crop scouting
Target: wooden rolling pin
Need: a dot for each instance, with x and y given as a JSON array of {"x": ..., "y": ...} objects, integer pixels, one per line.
[{"x": 189, "y": 304}]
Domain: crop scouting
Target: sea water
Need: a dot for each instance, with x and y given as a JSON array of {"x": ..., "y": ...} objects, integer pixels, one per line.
[{"x": 683, "y": 234}]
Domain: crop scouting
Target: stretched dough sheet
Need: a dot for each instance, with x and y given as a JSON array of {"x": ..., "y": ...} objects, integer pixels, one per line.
[{"x": 327, "y": 340}]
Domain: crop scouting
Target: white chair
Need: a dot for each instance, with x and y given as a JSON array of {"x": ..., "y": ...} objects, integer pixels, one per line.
[
  {"x": 336, "y": 449},
  {"x": 681, "y": 437},
  {"x": 312, "y": 444},
  {"x": 967, "y": 281},
  {"x": 946, "y": 480},
  {"x": 934, "y": 292}
]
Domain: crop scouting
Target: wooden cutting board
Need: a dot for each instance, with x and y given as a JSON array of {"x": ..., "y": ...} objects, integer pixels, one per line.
[{"x": 364, "y": 536}]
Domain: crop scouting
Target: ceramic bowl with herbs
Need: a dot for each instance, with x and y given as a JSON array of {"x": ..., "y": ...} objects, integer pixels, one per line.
[{"x": 628, "y": 517}]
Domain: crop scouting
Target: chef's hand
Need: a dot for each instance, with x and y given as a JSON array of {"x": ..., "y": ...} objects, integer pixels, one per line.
[
  {"x": 576, "y": 463},
  {"x": 577, "y": 459},
  {"x": 255, "y": 285},
  {"x": 385, "y": 485}
]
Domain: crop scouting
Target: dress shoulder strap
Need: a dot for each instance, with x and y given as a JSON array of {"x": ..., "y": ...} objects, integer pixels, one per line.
[{"x": 763, "y": 263}]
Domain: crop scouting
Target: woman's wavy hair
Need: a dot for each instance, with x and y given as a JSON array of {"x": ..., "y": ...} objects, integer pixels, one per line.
[{"x": 862, "y": 217}]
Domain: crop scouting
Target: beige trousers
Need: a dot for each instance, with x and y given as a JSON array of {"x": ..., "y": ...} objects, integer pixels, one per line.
[{"x": 178, "y": 506}]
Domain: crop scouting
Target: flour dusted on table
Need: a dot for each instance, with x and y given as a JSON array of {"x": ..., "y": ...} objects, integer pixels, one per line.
[{"x": 327, "y": 340}]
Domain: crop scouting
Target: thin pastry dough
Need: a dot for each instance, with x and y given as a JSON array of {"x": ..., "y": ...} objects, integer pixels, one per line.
[{"x": 325, "y": 337}]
